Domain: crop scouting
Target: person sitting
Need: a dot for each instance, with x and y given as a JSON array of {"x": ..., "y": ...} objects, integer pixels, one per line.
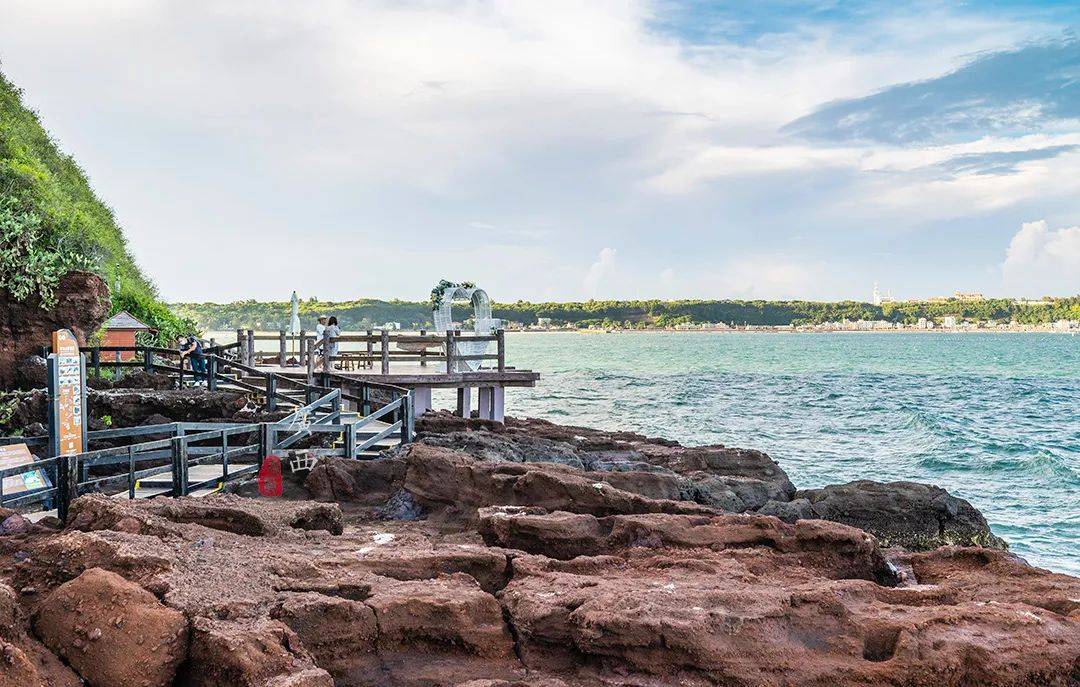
[{"x": 191, "y": 348}]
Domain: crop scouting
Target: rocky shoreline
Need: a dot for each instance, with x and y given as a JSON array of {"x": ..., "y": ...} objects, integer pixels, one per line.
[{"x": 531, "y": 554}]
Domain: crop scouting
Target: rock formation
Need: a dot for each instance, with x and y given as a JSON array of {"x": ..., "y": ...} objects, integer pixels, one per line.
[
  {"x": 232, "y": 591},
  {"x": 82, "y": 304},
  {"x": 536, "y": 555}
]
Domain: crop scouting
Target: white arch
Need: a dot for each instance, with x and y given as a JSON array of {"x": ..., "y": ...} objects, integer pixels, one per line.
[{"x": 483, "y": 323}]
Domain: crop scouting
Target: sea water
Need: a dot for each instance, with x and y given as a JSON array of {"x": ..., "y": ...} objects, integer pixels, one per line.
[{"x": 993, "y": 418}]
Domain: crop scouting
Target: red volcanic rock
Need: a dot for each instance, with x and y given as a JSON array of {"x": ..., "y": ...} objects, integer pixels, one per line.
[
  {"x": 770, "y": 615},
  {"x": 113, "y": 632},
  {"x": 585, "y": 598},
  {"x": 440, "y": 476},
  {"x": 256, "y": 653},
  {"x": 16, "y": 670},
  {"x": 82, "y": 304}
]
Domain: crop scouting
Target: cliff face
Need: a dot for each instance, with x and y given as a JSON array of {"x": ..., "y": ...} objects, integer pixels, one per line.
[{"x": 82, "y": 304}]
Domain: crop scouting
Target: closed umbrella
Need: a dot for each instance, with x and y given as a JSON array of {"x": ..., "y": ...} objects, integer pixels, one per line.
[{"x": 294, "y": 320}]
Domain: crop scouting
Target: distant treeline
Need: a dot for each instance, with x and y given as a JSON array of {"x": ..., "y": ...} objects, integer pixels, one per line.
[{"x": 369, "y": 313}]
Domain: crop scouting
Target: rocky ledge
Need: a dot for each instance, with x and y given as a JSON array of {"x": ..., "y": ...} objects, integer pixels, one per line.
[{"x": 528, "y": 555}]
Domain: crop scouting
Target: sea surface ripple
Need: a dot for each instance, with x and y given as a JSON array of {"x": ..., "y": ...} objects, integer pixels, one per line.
[{"x": 993, "y": 418}]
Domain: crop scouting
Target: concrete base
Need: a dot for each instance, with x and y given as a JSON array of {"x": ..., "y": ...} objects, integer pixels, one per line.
[
  {"x": 421, "y": 400},
  {"x": 464, "y": 402},
  {"x": 492, "y": 403}
]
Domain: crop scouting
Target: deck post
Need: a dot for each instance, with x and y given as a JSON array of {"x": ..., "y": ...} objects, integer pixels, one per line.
[
  {"x": 326, "y": 352},
  {"x": 251, "y": 347},
  {"x": 148, "y": 359},
  {"x": 310, "y": 366},
  {"x": 95, "y": 360},
  {"x": 67, "y": 484},
  {"x": 265, "y": 442},
  {"x": 179, "y": 450},
  {"x": 370, "y": 349},
  {"x": 241, "y": 350},
  {"x": 211, "y": 372},
  {"x": 500, "y": 340},
  {"x": 483, "y": 402},
  {"x": 423, "y": 351},
  {"x": 498, "y": 404},
  {"x": 117, "y": 370},
  {"x": 409, "y": 407},
  {"x": 385, "y": 343},
  {"x": 271, "y": 392},
  {"x": 464, "y": 402},
  {"x": 282, "y": 354},
  {"x": 421, "y": 398},
  {"x": 449, "y": 351},
  {"x": 303, "y": 345},
  {"x": 350, "y": 442},
  {"x": 365, "y": 399}
]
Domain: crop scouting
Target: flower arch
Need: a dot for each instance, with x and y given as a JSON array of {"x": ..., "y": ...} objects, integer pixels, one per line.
[{"x": 443, "y": 298}]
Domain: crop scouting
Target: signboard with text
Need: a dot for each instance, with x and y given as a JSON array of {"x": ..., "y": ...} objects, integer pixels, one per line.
[
  {"x": 68, "y": 407},
  {"x": 15, "y": 455}
]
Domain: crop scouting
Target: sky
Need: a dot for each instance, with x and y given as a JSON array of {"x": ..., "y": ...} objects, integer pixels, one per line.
[{"x": 566, "y": 150}]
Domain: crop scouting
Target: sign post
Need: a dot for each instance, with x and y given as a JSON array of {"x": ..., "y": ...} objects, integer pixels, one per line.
[{"x": 67, "y": 414}]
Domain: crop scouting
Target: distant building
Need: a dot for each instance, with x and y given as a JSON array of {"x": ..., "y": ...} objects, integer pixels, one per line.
[
  {"x": 122, "y": 329},
  {"x": 948, "y": 322},
  {"x": 543, "y": 322},
  {"x": 391, "y": 326},
  {"x": 877, "y": 295},
  {"x": 964, "y": 296}
]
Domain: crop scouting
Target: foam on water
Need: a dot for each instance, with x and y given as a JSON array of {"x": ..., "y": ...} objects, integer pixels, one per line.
[{"x": 993, "y": 418}]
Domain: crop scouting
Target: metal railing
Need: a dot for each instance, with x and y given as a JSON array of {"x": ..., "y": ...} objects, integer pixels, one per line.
[{"x": 188, "y": 444}]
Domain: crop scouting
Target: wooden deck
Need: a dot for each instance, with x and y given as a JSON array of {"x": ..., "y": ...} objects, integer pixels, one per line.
[{"x": 413, "y": 374}]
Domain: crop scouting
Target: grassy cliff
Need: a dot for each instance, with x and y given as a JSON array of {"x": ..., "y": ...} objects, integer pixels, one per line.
[{"x": 51, "y": 222}]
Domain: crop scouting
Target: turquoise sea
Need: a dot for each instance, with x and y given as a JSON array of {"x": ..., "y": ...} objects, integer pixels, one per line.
[{"x": 993, "y": 418}]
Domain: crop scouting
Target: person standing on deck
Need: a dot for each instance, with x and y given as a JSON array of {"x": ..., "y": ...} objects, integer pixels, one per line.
[
  {"x": 333, "y": 331},
  {"x": 320, "y": 329},
  {"x": 191, "y": 348}
]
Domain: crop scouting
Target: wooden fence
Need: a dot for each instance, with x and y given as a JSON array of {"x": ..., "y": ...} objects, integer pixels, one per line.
[
  {"x": 188, "y": 444},
  {"x": 376, "y": 348}
]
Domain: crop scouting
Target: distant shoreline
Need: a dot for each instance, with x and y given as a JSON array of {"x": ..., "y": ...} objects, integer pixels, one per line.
[{"x": 779, "y": 330}]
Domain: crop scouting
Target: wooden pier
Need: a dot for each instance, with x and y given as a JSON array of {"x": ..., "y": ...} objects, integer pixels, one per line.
[{"x": 418, "y": 361}]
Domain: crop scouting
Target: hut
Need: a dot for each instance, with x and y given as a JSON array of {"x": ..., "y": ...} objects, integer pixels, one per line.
[{"x": 122, "y": 329}]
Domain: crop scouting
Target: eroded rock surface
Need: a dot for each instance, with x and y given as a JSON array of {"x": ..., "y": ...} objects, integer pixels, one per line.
[
  {"x": 476, "y": 559},
  {"x": 915, "y": 516},
  {"x": 596, "y": 596},
  {"x": 82, "y": 304}
]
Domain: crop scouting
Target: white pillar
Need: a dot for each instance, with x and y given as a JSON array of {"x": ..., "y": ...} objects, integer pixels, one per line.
[
  {"x": 483, "y": 402},
  {"x": 464, "y": 401},
  {"x": 498, "y": 404},
  {"x": 421, "y": 400}
]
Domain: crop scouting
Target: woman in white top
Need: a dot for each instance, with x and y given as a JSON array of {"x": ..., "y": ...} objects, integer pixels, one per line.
[{"x": 332, "y": 331}]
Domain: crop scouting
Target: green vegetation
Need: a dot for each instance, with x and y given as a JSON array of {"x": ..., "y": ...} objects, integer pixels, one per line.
[
  {"x": 51, "y": 222},
  {"x": 367, "y": 313}
]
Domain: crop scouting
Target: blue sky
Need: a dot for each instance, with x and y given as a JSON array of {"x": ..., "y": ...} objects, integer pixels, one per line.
[{"x": 568, "y": 150}]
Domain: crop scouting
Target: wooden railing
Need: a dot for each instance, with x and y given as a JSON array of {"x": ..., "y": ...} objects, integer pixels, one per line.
[
  {"x": 185, "y": 445},
  {"x": 376, "y": 349}
]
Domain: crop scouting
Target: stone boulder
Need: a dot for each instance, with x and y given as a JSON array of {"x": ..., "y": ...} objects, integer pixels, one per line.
[
  {"x": 747, "y": 600},
  {"x": 82, "y": 304},
  {"x": 914, "y": 516},
  {"x": 439, "y": 477},
  {"x": 249, "y": 653},
  {"x": 112, "y": 631}
]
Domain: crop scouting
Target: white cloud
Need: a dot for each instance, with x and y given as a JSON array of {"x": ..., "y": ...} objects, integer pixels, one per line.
[
  {"x": 1041, "y": 261},
  {"x": 488, "y": 131},
  {"x": 601, "y": 274}
]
